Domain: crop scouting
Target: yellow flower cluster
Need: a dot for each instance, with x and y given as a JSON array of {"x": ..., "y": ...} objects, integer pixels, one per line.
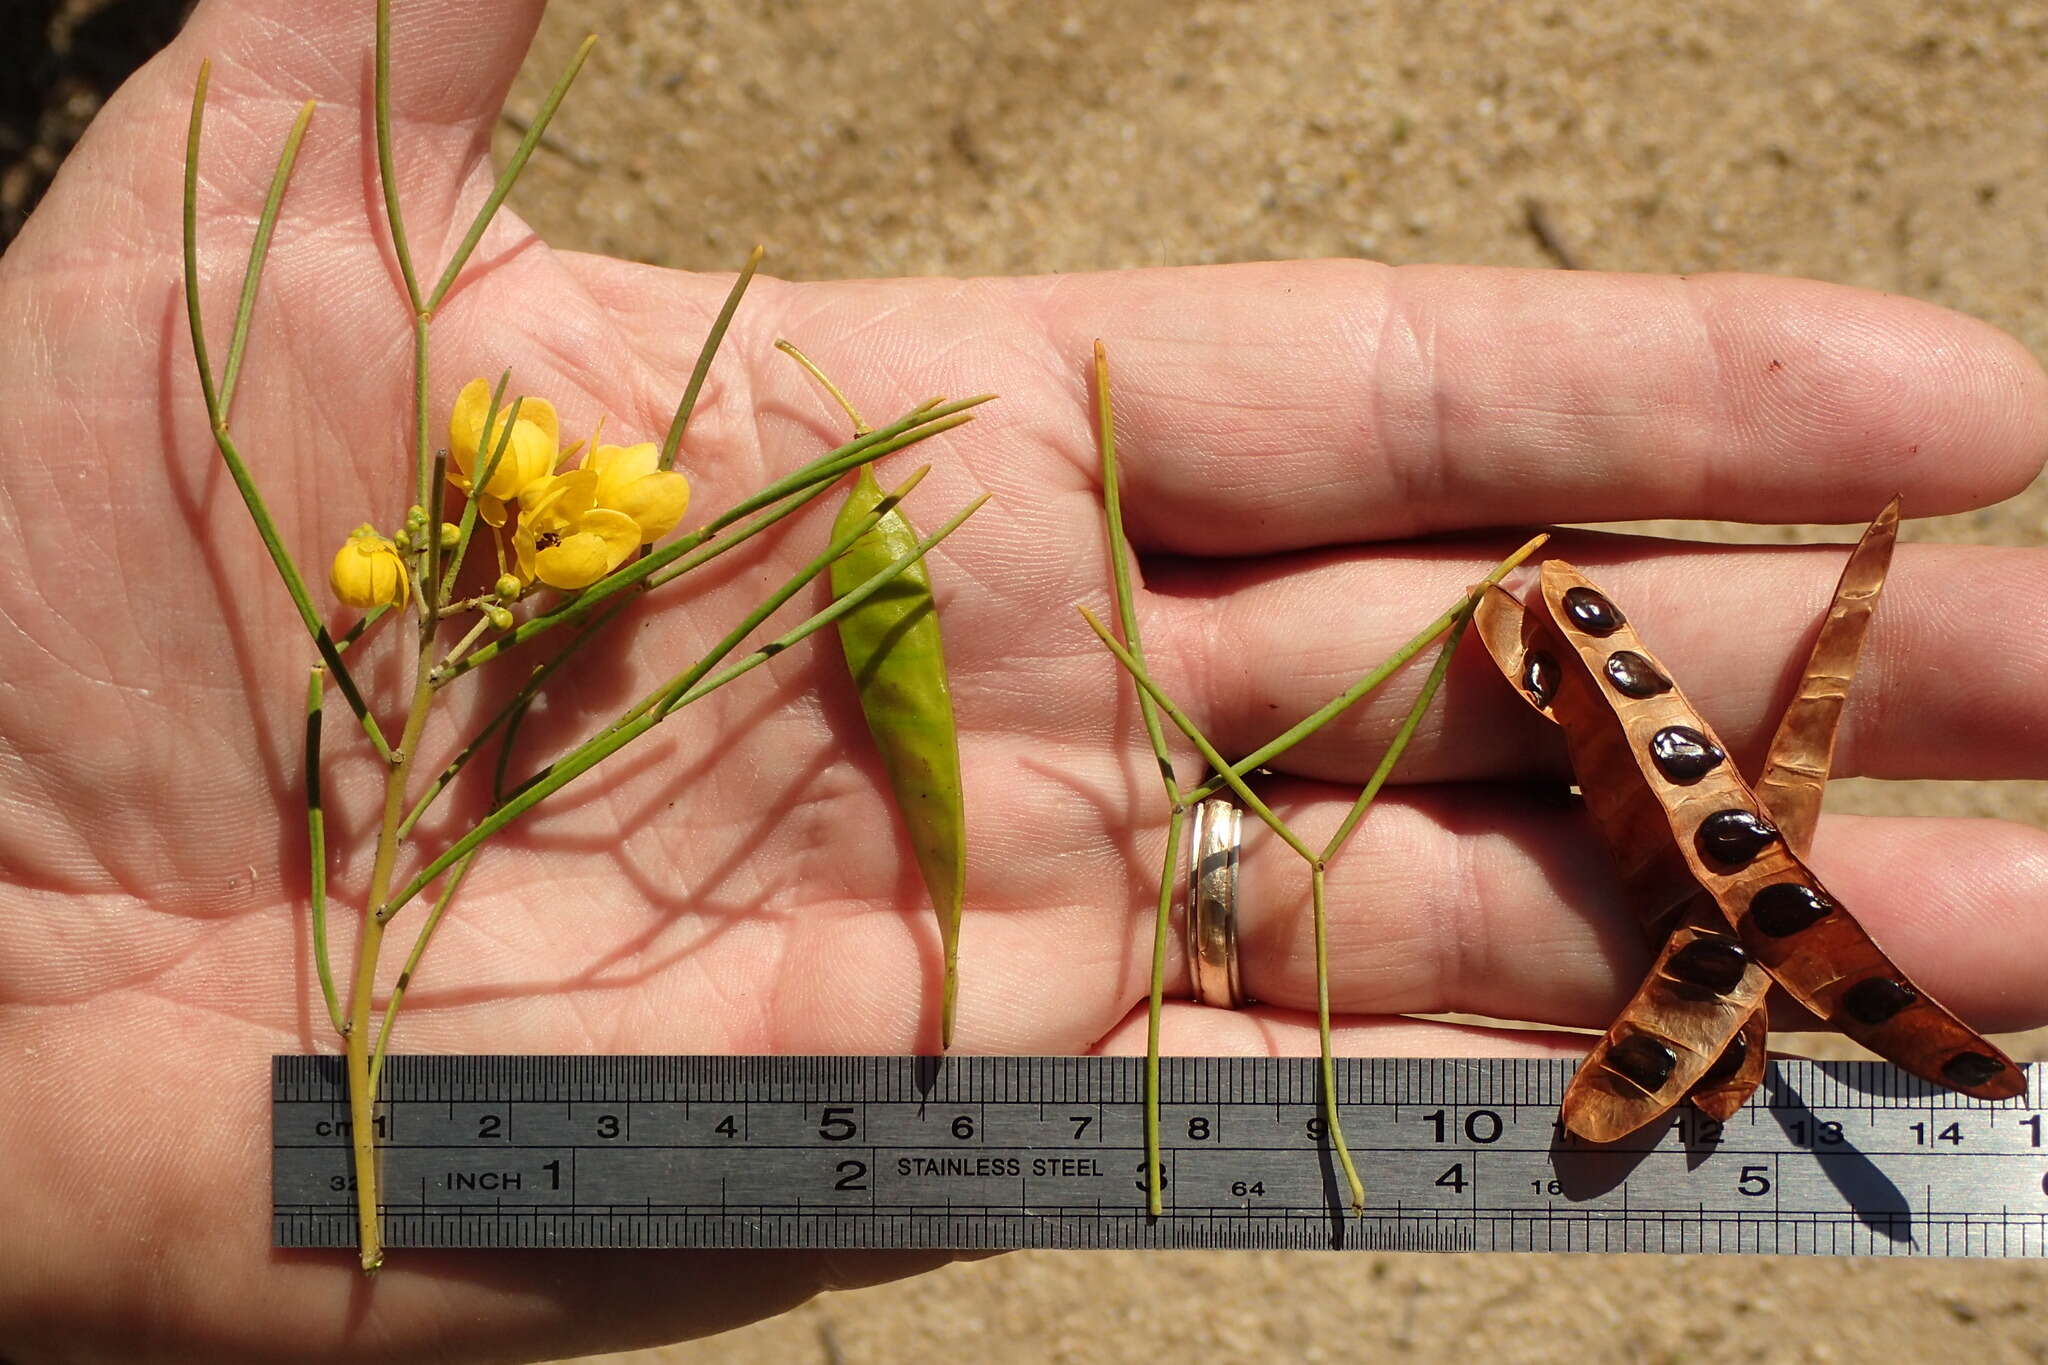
[{"x": 574, "y": 526}]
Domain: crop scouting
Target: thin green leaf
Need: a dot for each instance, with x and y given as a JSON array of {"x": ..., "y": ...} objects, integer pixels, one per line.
[
  {"x": 673, "y": 442},
  {"x": 1344, "y": 700},
  {"x": 412, "y": 965},
  {"x": 510, "y": 175},
  {"x": 386, "y": 173},
  {"x": 1399, "y": 745},
  {"x": 259, "y": 249}
]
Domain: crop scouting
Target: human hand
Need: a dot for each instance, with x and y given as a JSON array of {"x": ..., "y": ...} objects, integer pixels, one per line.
[{"x": 1289, "y": 433}]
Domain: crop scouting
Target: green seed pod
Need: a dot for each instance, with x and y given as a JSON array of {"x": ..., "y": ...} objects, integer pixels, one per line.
[{"x": 892, "y": 646}]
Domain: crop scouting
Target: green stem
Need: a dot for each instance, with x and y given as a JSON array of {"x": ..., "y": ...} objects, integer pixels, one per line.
[
  {"x": 507, "y": 177},
  {"x": 461, "y": 647},
  {"x": 385, "y": 171},
  {"x": 1399, "y": 745},
  {"x": 259, "y": 249},
  {"x": 316, "y": 847},
  {"x": 1162, "y": 928},
  {"x": 1329, "y": 1063},
  {"x": 364, "y": 624},
  {"x": 673, "y": 442},
  {"x": 1197, "y": 738},
  {"x": 651, "y": 711},
  {"x": 412, "y": 965},
  {"x": 925, "y": 422},
  {"x": 1344, "y": 700},
  {"x": 361, "y": 1096}
]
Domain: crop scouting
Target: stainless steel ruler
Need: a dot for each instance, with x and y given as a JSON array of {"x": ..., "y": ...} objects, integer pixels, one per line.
[{"x": 1844, "y": 1158}]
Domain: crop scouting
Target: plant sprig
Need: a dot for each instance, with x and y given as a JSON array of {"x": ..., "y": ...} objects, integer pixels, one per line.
[
  {"x": 378, "y": 572},
  {"x": 1153, "y": 702}
]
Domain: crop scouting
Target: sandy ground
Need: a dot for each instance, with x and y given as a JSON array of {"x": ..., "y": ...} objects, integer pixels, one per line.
[{"x": 1898, "y": 147}]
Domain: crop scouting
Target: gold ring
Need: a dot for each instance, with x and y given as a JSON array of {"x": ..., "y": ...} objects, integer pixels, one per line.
[{"x": 1214, "y": 832}]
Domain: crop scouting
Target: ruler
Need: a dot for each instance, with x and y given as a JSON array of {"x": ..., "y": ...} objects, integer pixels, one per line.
[{"x": 1847, "y": 1158}]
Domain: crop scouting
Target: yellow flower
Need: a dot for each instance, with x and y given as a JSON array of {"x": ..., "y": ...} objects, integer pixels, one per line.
[
  {"x": 368, "y": 571},
  {"x": 530, "y": 453},
  {"x": 565, "y": 539},
  {"x": 630, "y": 480}
]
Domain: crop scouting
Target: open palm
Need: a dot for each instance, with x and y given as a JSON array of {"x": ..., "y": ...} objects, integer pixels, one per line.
[{"x": 1292, "y": 434}]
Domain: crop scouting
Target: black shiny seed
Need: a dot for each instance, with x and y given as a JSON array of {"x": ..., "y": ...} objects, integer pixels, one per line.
[
  {"x": 1782, "y": 909},
  {"x": 1591, "y": 612},
  {"x": 1540, "y": 676},
  {"x": 1635, "y": 676},
  {"x": 1714, "y": 964},
  {"x": 1970, "y": 1068},
  {"x": 1683, "y": 754},
  {"x": 1732, "y": 837},
  {"x": 1877, "y": 1000},
  {"x": 1729, "y": 1062},
  {"x": 1642, "y": 1059}
]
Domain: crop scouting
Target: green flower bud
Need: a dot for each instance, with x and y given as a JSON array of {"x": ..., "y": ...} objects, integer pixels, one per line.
[
  {"x": 507, "y": 588},
  {"x": 499, "y": 617},
  {"x": 450, "y": 535}
]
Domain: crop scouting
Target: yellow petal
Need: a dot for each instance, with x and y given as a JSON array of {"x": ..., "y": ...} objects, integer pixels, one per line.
[
  {"x": 617, "y": 532},
  {"x": 618, "y": 466},
  {"x": 559, "y": 500},
  {"x": 541, "y": 413},
  {"x": 523, "y": 551},
  {"x": 529, "y": 455},
  {"x": 466, "y": 423},
  {"x": 576, "y": 561},
  {"x": 656, "y": 502}
]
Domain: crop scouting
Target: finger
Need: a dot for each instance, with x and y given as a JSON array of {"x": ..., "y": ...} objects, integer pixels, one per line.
[
  {"x": 451, "y": 62},
  {"x": 1276, "y": 406},
  {"x": 1267, "y": 1031},
  {"x": 1482, "y": 901},
  {"x": 1949, "y": 686}
]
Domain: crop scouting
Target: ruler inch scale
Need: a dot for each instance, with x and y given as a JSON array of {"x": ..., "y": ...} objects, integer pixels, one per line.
[{"x": 991, "y": 1153}]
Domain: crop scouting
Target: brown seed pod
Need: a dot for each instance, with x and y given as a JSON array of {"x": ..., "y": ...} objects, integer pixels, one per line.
[{"x": 1662, "y": 792}]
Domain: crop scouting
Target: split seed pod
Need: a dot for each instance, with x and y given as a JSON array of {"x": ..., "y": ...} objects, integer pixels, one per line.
[
  {"x": 1700, "y": 850},
  {"x": 898, "y": 661}
]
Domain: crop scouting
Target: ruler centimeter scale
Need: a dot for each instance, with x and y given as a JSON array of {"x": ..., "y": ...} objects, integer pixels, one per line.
[{"x": 1847, "y": 1158}]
